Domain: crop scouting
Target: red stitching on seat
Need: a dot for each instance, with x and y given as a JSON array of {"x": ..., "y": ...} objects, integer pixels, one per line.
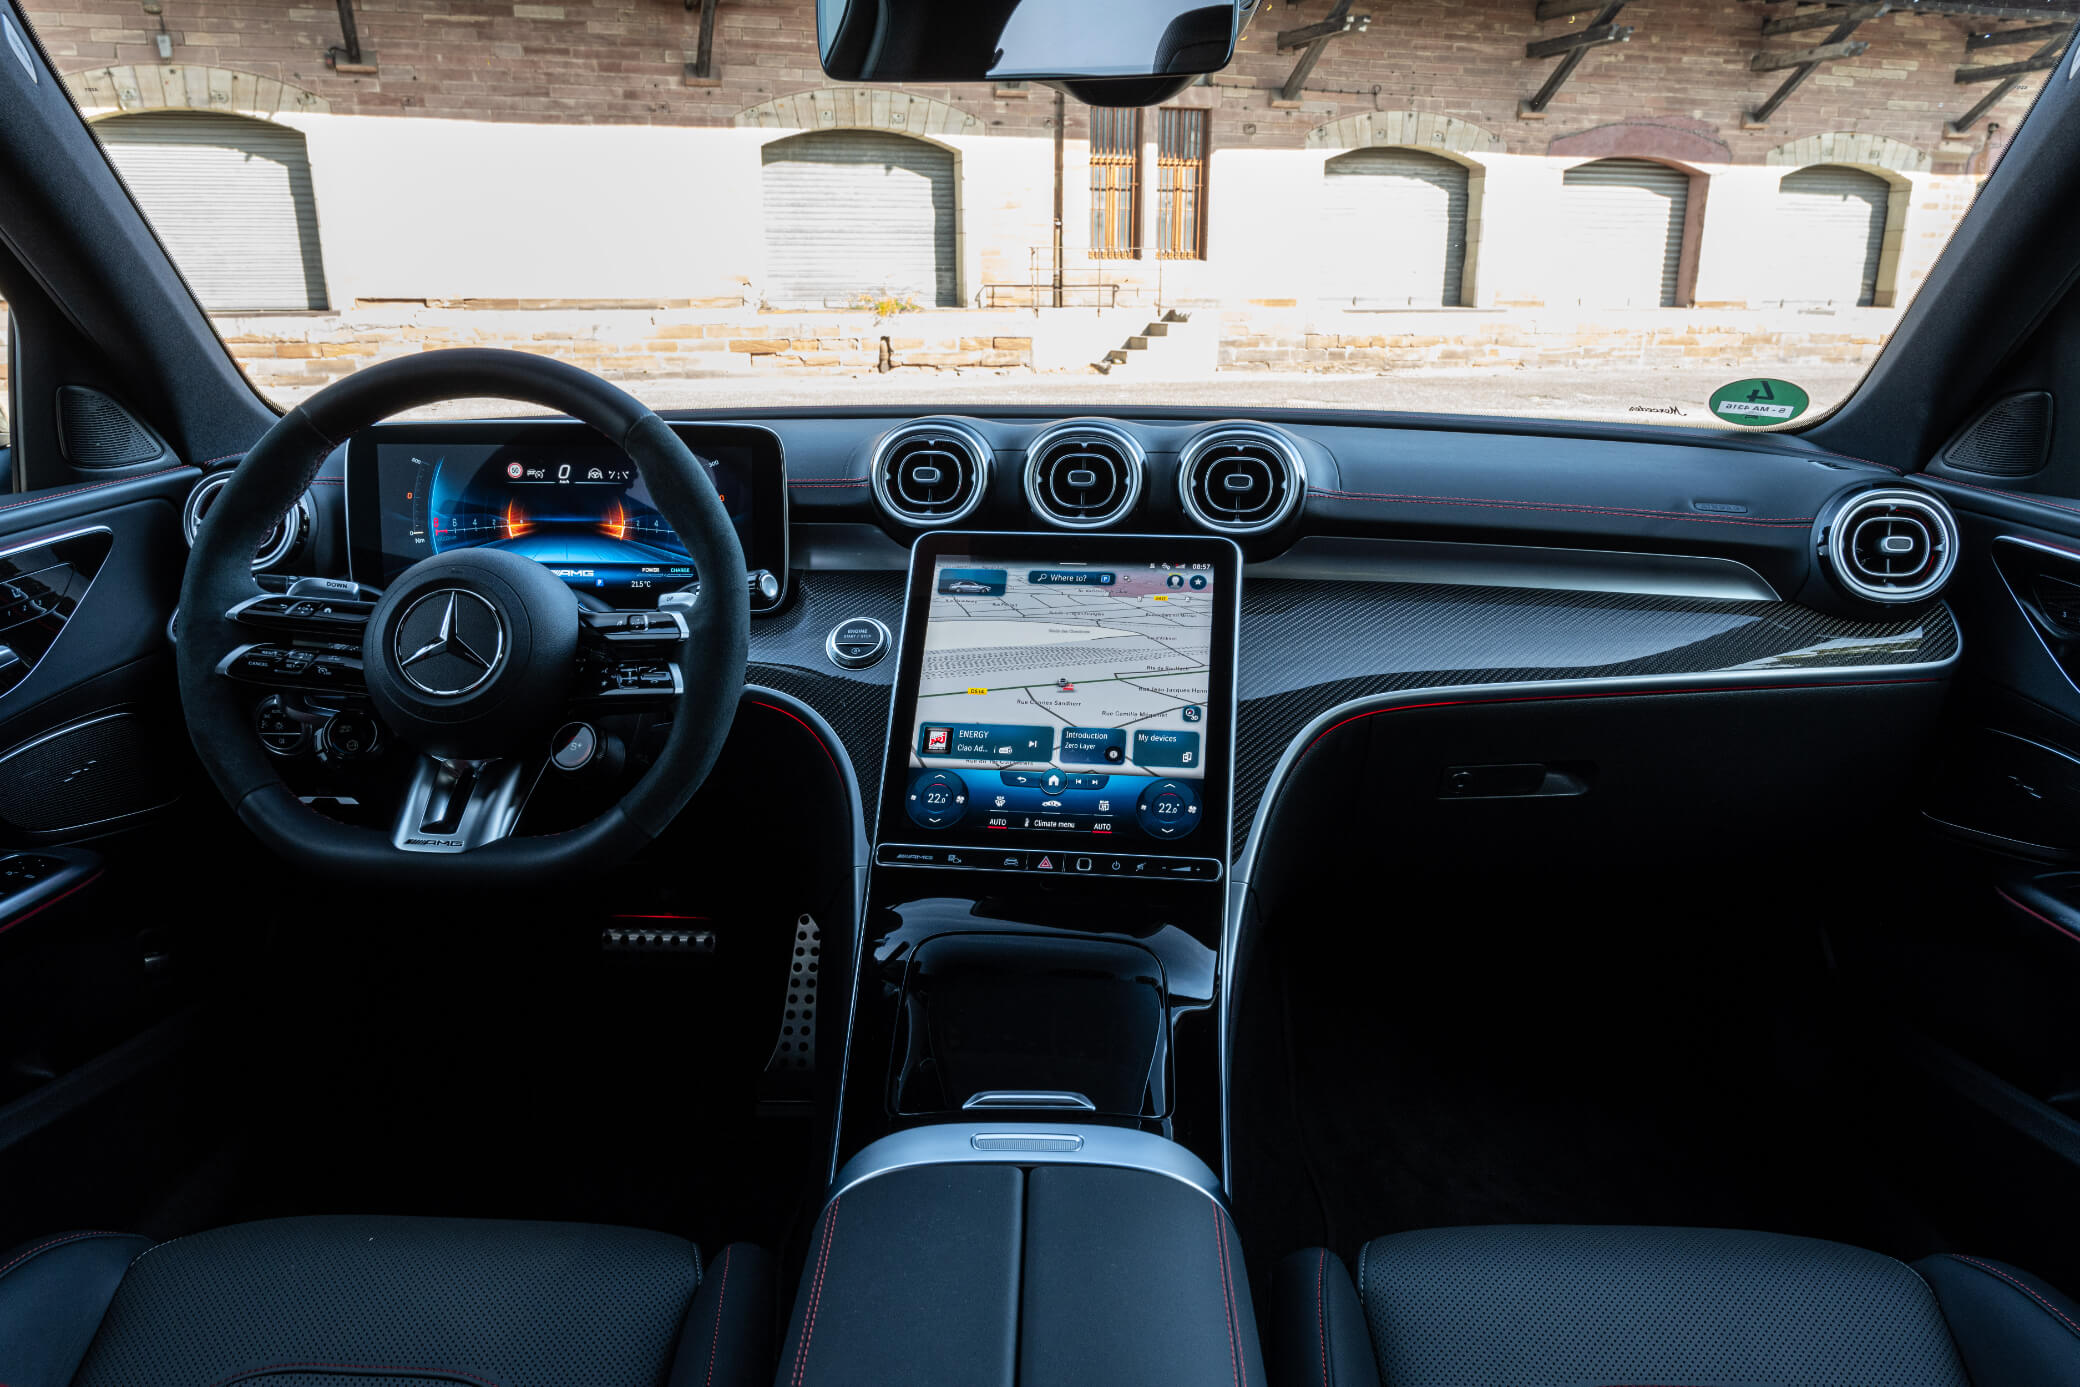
[
  {"x": 721, "y": 1294},
  {"x": 363, "y": 1369},
  {"x": 91, "y": 486},
  {"x": 1992, "y": 1270},
  {"x": 59, "y": 1242},
  {"x": 823, "y": 1257},
  {"x": 1220, "y": 1243},
  {"x": 1321, "y": 1313}
]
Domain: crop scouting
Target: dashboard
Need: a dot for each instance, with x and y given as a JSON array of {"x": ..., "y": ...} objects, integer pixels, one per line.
[{"x": 897, "y": 563}]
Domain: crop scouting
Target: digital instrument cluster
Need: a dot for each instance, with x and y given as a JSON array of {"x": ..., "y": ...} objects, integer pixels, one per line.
[{"x": 559, "y": 494}]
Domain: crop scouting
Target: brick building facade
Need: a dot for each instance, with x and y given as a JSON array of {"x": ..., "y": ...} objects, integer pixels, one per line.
[{"x": 552, "y": 176}]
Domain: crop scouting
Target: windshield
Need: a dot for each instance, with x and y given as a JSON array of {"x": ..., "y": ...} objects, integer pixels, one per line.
[{"x": 1710, "y": 213}]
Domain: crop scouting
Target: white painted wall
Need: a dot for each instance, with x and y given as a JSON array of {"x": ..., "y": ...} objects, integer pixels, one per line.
[{"x": 425, "y": 208}]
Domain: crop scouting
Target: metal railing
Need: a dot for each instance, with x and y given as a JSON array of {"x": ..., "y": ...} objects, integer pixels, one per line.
[{"x": 1085, "y": 281}]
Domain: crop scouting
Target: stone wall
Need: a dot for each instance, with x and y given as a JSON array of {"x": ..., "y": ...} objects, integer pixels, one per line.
[
  {"x": 287, "y": 354},
  {"x": 623, "y": 62},
  {"x": 1374, "y": 342}
]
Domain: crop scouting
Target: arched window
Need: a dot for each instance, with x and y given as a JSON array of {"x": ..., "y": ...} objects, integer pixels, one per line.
[
  {"x": 1833, "y": 226},
  {"x": 1625, "y": 220},
  {"x": 231, "y": 198},
  {"x": 857, "y": 213},
  {"x": 1402, "y": 214}
]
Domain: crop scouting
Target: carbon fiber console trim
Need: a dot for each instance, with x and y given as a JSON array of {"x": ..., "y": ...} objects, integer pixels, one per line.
[{"x": 787, "y": 653}]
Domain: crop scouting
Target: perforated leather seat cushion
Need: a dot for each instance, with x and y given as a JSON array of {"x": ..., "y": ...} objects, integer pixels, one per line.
[
  {"x": 1605, "y": 1307},
  {"x": 376, "y": 1302}
]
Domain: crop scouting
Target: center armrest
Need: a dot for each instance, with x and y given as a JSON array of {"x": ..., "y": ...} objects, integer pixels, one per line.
[{"x": 1040, "y": 1272}]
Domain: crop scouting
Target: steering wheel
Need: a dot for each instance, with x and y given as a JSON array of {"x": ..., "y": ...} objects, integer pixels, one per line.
[{"x": 471, "y": 658}]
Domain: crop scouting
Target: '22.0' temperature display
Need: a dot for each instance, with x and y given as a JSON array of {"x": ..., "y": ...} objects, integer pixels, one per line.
[{"x": 1065, "y": 698}]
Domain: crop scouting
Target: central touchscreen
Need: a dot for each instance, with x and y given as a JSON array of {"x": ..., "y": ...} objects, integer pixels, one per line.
[{"x": 1058, "y": 696}]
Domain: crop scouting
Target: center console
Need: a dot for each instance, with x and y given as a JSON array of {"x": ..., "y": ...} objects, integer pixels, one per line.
[
  {"x": 1046, "y": 907},
  {"x": 1045, "y": 1257}
]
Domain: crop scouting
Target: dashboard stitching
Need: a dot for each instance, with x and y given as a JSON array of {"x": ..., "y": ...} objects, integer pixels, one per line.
[
  {"x": 1776, "y": 522},
  {"x": 91, "y": 486},
  {"x": 2011, "y": 495}
]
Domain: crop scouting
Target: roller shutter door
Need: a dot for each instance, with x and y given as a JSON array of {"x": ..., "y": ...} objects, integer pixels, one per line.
[
  {"x": 1626, "y": 222},
  {"x": 231, "y": 198},
  {"x": 1833, "y": 222},
  {"x": 856, "y": 212},
  {"x": 1398, "y": 217}
]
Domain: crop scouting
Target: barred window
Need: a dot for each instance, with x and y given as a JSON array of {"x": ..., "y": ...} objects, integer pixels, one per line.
[
  {"x": 1181, "y": 141},
  {"x": 1115, "y": 183}
]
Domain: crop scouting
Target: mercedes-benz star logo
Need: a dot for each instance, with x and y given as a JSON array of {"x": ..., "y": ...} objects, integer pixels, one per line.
[{"x": 449, "y": 642}]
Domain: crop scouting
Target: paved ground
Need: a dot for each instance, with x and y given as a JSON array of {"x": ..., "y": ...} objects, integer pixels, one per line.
[{"x": 1640, "y": 394}]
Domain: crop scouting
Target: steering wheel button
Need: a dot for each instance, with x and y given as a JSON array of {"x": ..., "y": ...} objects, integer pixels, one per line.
[{"x": 574, "y": 746}]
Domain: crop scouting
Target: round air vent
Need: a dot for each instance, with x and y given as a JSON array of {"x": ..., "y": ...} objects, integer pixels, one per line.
[
  {"x": 1240, "y": 478},
  {"x": 1893, "y": 547},
  {"x": 281, "y": 540},
  {"x": 931, "y": 472},
  {"x": 1083, "y": 474}
]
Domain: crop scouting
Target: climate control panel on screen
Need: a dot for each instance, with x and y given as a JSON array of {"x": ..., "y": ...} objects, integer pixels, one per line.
[{"x": 1053, "y": 800}]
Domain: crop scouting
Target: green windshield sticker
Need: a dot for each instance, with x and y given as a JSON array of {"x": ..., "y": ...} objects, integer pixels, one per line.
[{"x": 1759, "y": 402}]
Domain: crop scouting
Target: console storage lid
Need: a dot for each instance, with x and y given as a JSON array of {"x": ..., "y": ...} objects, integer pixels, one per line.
[{"x": 1044, "y": 1269}]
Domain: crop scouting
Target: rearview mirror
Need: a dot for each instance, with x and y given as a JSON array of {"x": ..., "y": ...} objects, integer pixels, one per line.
[{"x": 1106, "y": 52}]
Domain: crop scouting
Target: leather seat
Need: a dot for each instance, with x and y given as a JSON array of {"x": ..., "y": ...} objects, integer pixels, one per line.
[
  {"x": 1601, "y": 1307},
  {"x": 384, "y": 1302}
]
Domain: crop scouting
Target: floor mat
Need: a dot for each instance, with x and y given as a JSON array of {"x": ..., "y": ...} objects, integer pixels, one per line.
[{"x": 1526, "y": 1067}]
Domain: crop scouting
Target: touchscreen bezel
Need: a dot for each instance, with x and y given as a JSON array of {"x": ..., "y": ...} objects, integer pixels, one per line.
[
  {"x": 368, "y": 563},
  {"x": 1216, "y": 787}
]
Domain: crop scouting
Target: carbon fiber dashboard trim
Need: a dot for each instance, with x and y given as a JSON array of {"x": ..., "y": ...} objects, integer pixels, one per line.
[
  {"x": 787, "y": 654},
  {"x": 1308, "y": 646}
]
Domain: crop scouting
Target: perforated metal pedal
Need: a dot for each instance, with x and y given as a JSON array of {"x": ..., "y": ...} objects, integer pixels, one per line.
[{"x": 790, "y": 1071}]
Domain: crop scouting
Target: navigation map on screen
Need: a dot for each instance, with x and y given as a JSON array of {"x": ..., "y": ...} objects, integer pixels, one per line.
[{"x": 1078, "y": 667}]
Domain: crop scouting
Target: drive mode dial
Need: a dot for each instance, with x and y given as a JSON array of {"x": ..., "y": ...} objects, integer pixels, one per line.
[{"x": 937, "y": 798}]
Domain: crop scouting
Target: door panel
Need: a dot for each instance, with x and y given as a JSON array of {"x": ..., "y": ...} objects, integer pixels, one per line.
[
  {"x": 1970, "y": 944},
  {"x": 96, "y": 908}
]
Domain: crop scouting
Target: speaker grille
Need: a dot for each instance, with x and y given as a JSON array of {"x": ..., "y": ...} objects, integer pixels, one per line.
[
  {"x": 2009, "y": 439},
  {"x": 95, "y": 431},
  {"x": 92, "y": 772}
]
